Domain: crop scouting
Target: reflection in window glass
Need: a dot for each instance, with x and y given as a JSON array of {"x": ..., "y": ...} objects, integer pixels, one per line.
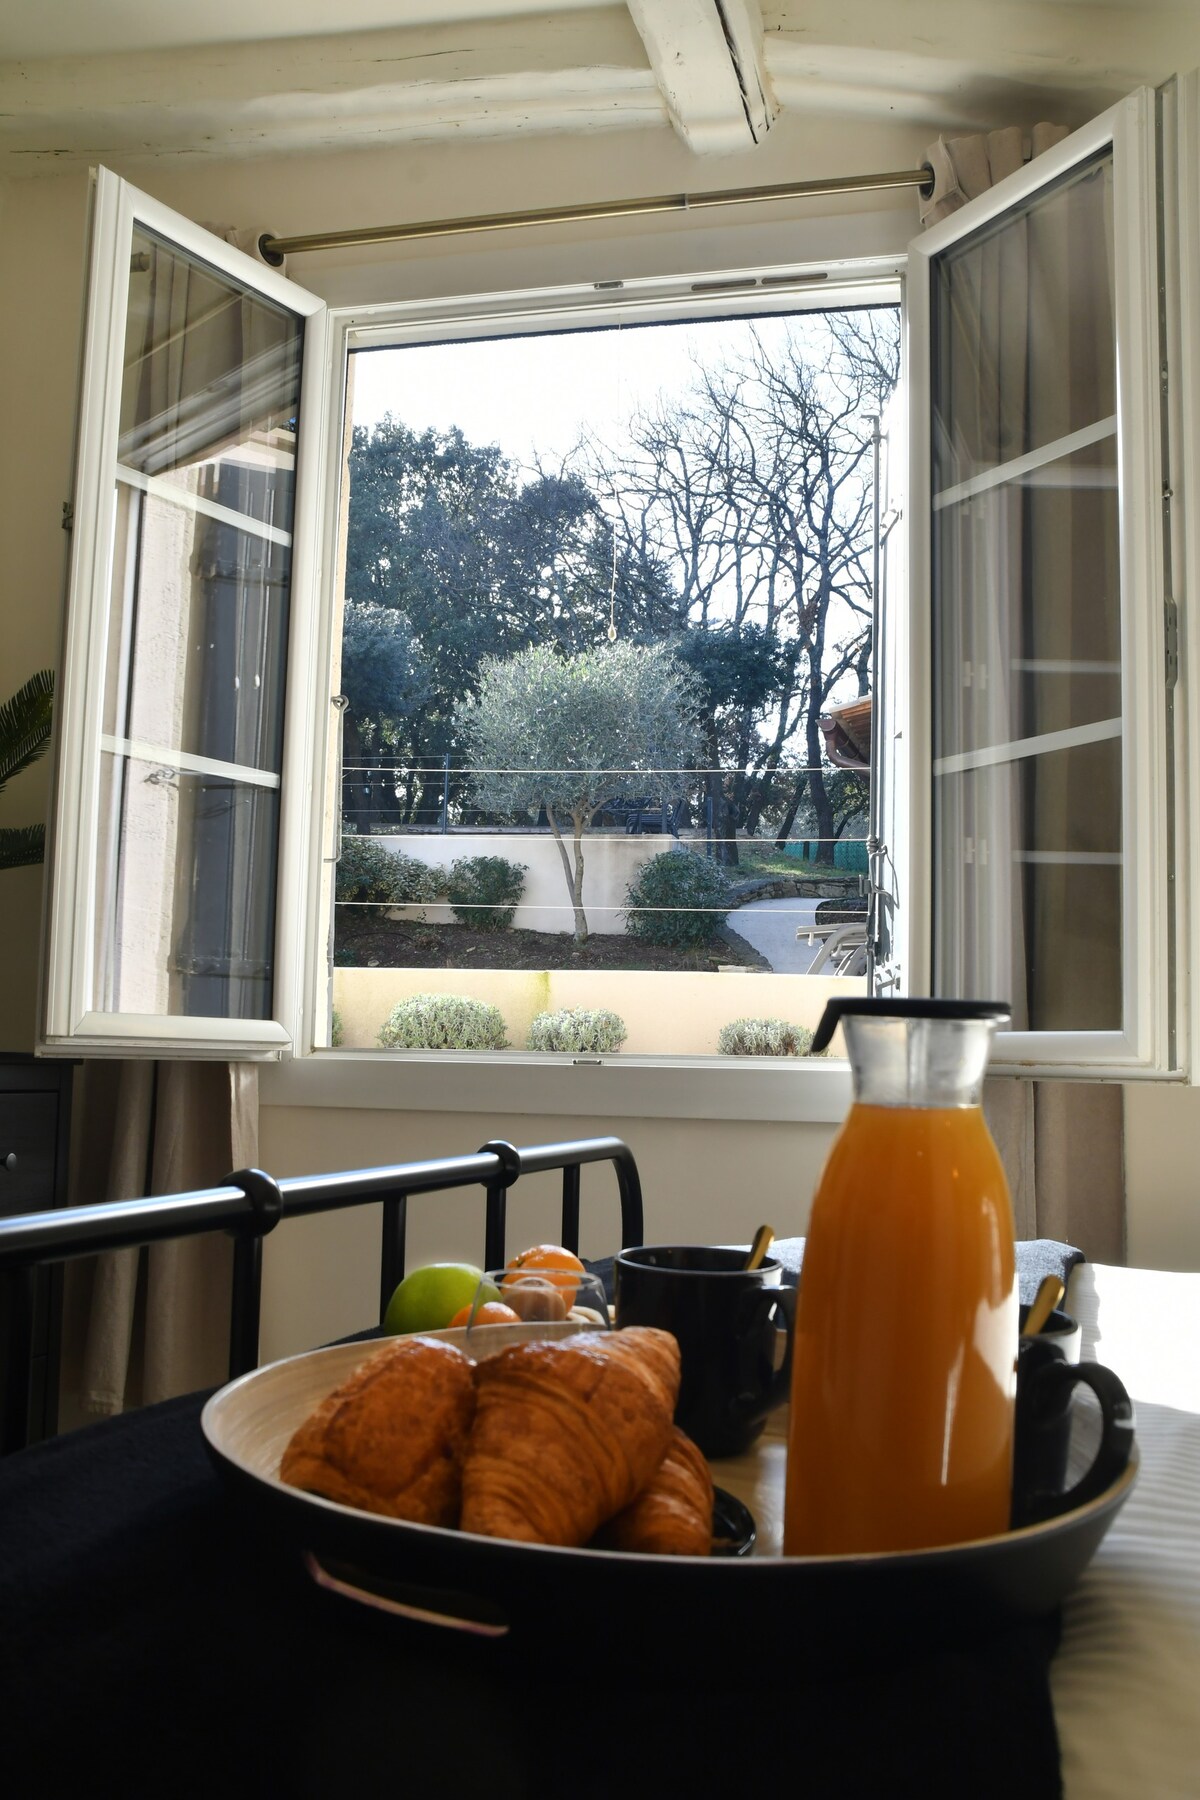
[{"x": 185, "y": 920}]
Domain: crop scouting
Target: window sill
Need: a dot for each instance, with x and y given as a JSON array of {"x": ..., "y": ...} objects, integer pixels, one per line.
[{"x": 619, "y": 1088}]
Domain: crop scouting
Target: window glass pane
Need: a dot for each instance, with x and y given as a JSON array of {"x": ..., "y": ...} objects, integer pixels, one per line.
[
  {"x": 1026, "y": 614},
  {"x": 211, "y": 372},
  {"x": 1028, "y": 637},
  {"x": 185, "y": 908},
  {"x": 196, "y": 647},
  {"x": 197, "y": 633},
  {"x": 1028, "y": 887},
  {"x": 1023, "y": 329}
]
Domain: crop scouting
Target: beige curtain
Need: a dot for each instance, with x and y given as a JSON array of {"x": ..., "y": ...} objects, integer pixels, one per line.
[
  {"x": 155, "y": 1321},
  {"x": 1062, "y": 1142},
  {"x": 964, "y": 167},
  {"x": 1063, "y": 1147}
]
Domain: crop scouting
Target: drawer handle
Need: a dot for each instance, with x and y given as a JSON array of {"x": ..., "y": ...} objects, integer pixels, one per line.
[{"x": 10, "y": 1161}]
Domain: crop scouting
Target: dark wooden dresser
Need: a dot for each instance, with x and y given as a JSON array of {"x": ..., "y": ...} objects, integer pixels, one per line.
[{"x": 35, "y": 1126}]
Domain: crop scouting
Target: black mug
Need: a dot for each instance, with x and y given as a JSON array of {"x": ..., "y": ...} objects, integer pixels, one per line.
[
  {"x": 1061, "y": 1329},
  {"x": 1046, "y": 1382},
  {"x": 727, "y": 1321}
]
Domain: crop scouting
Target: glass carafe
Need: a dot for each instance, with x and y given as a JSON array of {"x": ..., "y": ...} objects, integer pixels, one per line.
[{"x": 903, "y": 1375}]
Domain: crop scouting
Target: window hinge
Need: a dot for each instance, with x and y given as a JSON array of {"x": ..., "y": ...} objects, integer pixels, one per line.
[
  {"x": 1171, "y": 612},
  {"x": 68, "y": 516}
]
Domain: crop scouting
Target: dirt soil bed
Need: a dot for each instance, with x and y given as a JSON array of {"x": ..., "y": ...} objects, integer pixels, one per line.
[{"x": 366, "y": 938}]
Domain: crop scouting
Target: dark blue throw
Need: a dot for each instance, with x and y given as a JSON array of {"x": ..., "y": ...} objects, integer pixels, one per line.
[{"x": 155, "y": 1643}]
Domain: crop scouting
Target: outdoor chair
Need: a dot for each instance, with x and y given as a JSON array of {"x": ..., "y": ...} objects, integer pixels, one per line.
[{"x": 843, "y": 947}]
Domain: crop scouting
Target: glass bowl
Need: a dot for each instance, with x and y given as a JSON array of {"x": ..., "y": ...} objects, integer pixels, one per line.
[{"x": 514, "y": 1305}]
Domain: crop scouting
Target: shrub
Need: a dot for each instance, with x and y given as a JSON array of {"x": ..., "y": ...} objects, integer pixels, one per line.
[
  {"x": 337, "y": 1034},
  {"x": 763, "y": 1037},
  {"x": 578, "y": 1028},
  {"x": 673, "y": 887},
  {"x": 443, "y": 1022},
  {"x": 368, "y": 870},
  {"x": 485, "y": 890}
]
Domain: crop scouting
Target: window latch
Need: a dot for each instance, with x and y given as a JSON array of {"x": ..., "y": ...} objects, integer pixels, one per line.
[{"x": 1171, "y": 634}]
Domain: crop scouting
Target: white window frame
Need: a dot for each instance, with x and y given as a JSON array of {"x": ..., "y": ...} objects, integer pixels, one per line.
[
  {"x": 69, "y": 1023},
  {"x": 1181, "y": 135},
  {"x": 1144, "y": 1046},
  {"x": 628, "y": 1085}
]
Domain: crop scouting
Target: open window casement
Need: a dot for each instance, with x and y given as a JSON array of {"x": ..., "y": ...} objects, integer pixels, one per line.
[
  {"x": 1039, "y": 689},
  {"x": 180, "y": 835}
]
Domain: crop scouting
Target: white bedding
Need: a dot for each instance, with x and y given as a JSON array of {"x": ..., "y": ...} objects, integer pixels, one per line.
[{"x": 1126, "y": 1680}]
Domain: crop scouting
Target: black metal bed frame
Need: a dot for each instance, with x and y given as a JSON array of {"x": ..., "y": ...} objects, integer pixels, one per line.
[{"x": 250, "y": 1203}]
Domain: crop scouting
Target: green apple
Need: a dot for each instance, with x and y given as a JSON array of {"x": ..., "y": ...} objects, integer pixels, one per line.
[{"x": 429, "y": 1297}]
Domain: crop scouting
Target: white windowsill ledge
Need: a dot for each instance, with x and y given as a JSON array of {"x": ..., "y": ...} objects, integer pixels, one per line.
[{"x": 616, "y": 1088}]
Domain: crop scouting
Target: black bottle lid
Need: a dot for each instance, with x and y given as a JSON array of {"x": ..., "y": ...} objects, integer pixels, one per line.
[{"x": 837, "y": 1010}]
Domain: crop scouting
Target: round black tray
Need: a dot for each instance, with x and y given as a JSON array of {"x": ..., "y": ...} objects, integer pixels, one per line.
[{"x": 824, "y": 1613}]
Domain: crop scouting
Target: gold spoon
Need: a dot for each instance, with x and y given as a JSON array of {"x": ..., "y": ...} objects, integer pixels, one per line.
[
  {"x": 764, "y": 1237},
  {"x": 1049, "y": 1295}
]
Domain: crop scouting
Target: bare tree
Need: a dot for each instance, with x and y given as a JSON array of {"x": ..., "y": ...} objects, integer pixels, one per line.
[{"x": 756, "y": 493}]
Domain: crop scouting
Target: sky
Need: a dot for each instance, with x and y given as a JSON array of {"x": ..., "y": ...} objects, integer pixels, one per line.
[{"x": 535, "y": 395}]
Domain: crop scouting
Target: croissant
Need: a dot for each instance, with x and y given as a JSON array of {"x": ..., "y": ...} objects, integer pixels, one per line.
[
  {"x": 567, "y": 1432},
  {"x": 672, "y": 1516},
  {"x": 391, "y": 1438}
]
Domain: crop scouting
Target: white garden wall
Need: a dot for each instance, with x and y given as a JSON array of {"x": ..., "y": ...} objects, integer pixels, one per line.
[{"x": 610, "y": 861}]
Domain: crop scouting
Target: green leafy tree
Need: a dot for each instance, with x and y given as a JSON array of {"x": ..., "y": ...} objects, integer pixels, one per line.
[
  {"x": 24, "y": 734},
  {"x": 480, "y": 564},
  {"x": 387, "y": 681},
  {"x": 744, "y": 671},
  {"x": 385, "y": 675},
  {"x": 573, "y": 733}
]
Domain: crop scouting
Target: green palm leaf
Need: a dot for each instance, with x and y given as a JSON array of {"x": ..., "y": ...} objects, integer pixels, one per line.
[
  {"x": 25, "y": 726},
  {"x": 21, "y": 845}
]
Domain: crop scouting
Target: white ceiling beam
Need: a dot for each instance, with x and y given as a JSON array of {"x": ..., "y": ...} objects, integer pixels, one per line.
[
  {"x": 580, "y": 70},
  {"x": 707, "y": 57}
]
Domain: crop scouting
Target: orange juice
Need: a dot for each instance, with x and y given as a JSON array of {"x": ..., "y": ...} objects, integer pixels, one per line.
[{"x": 903, "y": 1375}]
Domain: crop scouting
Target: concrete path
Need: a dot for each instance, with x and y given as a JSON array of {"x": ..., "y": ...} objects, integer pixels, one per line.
[{"x": 771, "y": 927}]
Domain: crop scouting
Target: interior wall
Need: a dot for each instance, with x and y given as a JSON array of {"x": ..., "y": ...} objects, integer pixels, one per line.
[
  {"x": 703, "y": 1182},
  {"x": 712, "y": 1179}
]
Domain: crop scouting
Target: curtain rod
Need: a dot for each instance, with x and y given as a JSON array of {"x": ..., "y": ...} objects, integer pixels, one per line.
[{"x": 274, "y": 249}]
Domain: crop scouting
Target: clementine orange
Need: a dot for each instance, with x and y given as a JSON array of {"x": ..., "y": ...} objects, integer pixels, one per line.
[
  {"x": 552, "y": 1263},
  {"x": 492, "y": 1312}
]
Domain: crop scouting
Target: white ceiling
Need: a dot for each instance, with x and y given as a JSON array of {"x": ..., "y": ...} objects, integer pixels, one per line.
[{"x": 135, "y": 80}]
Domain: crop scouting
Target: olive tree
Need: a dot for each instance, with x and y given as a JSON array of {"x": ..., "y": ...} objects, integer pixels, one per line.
[{"x": 571, "y": 734}]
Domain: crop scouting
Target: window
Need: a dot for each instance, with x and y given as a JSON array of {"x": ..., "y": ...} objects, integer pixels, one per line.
[
  {"x": 652, "y": 543},
  {"x": 174, "y": 848},
  {"x": 1044, "y": 782},
  {"x": 1023, "y": 823}
]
